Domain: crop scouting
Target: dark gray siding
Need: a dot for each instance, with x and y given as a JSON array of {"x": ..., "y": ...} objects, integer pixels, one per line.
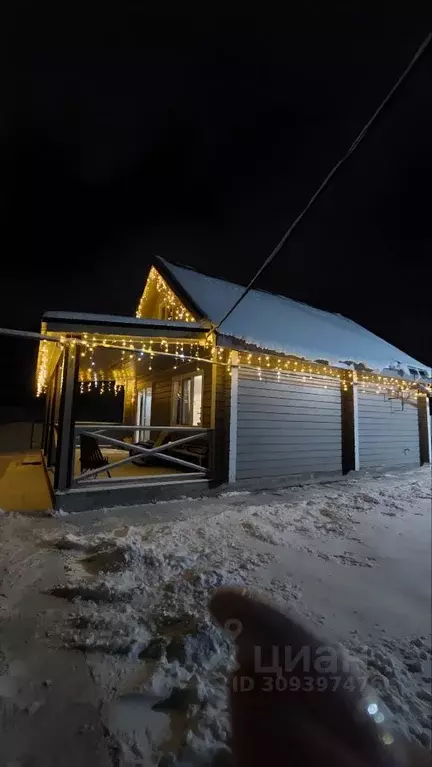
[
  {"x": 129, "y": 407},
  {"x": 161, "y": 402},
  {"x": 287, "y": 425},
  {"x": 207, "y": 395},
  {"x": 222, "y": 382},
  {"x": 388, "y": 434}
]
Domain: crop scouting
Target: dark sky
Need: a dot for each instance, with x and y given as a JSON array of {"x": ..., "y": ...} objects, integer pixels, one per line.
[{"x": 200, "y": 139}]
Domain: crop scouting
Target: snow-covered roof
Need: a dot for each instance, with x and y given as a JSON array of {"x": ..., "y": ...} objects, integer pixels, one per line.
[{"x": 286, "y": 326}]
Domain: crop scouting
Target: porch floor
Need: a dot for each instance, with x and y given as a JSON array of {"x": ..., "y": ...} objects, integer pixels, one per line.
[
  {"x": 128, "y": 469},
  {"x": 23, "y": 482}
]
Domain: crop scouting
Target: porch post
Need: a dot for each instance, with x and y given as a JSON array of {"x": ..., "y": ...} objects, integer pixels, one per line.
[
  {"x": 48, "y": 403},
  {"x": 350, "y": 431},
  {"x": 232, "y": 448},
  {"x": 66, "y": 447},
  {"x": 213, "y": 374},
  {"x": 424, "y": 419},
  {"x": 54, "y": 407}
]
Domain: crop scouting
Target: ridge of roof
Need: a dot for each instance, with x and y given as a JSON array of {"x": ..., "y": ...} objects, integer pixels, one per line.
[{"x": 167, "y": 264}]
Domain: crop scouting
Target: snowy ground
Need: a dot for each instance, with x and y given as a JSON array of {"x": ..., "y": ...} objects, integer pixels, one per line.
[{"x": 121, "y": 599}]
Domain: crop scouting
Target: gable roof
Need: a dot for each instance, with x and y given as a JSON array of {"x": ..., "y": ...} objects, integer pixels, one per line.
[{"x": 285, "y": 326}]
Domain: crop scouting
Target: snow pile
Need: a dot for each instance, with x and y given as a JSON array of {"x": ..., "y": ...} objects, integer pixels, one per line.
[
  {"x": 153, "y": 579},
  {"x": 139, "y": 610},
  {"x": 145, "y": 596},
  {"x": 312, "y": 518},
  {"x": 400, "y": 671},
  {"x": 59, "y": 513}
]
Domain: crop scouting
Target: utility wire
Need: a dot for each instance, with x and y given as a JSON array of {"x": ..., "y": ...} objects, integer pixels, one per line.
[{"x": 329, "y": 176}]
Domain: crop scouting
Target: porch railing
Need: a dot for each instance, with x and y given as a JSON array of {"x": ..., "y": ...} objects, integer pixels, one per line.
[{"x": 99, "y": 432}]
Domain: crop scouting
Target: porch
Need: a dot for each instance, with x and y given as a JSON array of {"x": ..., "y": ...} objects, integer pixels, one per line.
[{"x": 163, "y": 431}]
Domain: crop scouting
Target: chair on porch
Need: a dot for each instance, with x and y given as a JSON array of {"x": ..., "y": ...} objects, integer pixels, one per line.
[
  {"x": 197, "y": 452},
  {"x": 143, "y": 460},
  {"x": 91, "y": 455}
]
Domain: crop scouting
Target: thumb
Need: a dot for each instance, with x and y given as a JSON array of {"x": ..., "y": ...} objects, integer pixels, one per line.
[{"x": 308, "y": 695}]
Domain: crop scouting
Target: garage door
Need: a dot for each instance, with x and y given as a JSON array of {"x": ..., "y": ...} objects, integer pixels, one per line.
[
  {"x": 287, "y": 424},
  {"x": 388, "y": 431}
]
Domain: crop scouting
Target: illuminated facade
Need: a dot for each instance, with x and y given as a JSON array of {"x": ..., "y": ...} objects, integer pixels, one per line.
[{"x": 204, "y": 403}]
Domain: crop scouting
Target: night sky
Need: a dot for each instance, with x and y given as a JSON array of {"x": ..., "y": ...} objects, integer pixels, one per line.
[{"x": 200, "y": 139}]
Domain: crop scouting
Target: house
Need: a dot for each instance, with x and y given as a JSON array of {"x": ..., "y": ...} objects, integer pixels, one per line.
[{"x": 280, "y": 392}]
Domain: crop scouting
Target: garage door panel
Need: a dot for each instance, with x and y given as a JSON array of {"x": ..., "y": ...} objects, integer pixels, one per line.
[
  {"x": 388, "y": 432},
  {"x": 287, "y": 426}
]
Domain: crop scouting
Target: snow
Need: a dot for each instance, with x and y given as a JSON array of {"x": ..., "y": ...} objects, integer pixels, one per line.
[
  {"x": 111, "y": 607},
  {"x": 352, "y": 558},
  {"x": 283, "y": 325}
]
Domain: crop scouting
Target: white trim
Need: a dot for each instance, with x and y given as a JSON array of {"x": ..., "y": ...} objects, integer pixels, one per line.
[
  {"x": 355, "y": 426},
  {"x": 181, "y": 378},
  {"x": 142, "y": 404},
  {"x": 232, "y": 448}
]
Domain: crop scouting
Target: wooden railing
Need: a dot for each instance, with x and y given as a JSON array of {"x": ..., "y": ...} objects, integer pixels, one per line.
[{"x": 99, "y": 432}]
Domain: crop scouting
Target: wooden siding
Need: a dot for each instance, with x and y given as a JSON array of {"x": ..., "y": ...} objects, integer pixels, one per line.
[
  {"x": 161, "y": 403},
  {"x": 287, "y": 425},
  {"x": 222, "y": 422},
  {"x": 207, "y": 395},
  {"x": 129, "y": 407},
  {"x": 388, "y": 434},
  {"x": 161, "y": 384}
]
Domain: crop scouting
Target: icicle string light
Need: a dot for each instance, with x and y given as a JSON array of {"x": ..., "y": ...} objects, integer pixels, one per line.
[
  {"x": 139, "y": 352},
  {"x": 172, "y": 307}
]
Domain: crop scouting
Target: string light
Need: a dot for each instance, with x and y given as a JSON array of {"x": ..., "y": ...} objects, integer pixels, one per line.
[
  {"x": 42, "y": 368},
  {"x": 104, "y": 387},
  {"x": 171, "y": 305},
  {"x": 368, "y": 381}
]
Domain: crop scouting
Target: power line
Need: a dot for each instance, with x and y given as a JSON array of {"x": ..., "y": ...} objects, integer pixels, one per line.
[{"x": 329, "y": 176}]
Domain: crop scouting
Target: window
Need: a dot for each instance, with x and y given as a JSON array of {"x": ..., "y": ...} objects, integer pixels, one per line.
[
  {"x": 187, "y": 401},
  {"x": 165, "y": 312}
]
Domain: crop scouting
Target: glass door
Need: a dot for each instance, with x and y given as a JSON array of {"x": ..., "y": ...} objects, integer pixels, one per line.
[{"x": 144, "y": 413}]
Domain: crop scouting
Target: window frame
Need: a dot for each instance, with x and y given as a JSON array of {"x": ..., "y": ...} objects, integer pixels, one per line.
[{"x": 179, "y": 379}]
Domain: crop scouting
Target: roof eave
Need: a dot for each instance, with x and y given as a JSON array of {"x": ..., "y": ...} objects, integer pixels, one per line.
[
  {"x": 239, "y": 344},
  {"x": 112, "y": 325}
]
